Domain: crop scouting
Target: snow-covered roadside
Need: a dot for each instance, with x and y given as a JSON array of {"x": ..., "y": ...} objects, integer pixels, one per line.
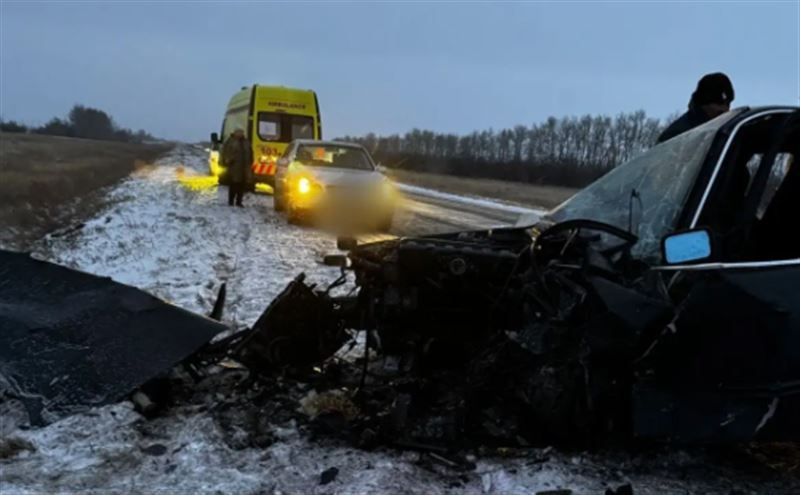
[
  {"x": 168, "y": 234},
  {"x": 490, "y": 204},
  {"x": 113, "y": 450}
]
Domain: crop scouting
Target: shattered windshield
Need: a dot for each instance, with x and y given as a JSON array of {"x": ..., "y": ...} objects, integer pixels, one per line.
[{"x": 650, "y": 190}]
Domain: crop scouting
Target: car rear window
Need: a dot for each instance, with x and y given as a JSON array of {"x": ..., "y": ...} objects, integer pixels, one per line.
[
  {"x": 284, "y": 127},
  {"x": 348, "y": 157}
]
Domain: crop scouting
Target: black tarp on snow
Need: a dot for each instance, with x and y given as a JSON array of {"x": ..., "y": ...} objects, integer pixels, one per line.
[{"x": 70, "y": 340}]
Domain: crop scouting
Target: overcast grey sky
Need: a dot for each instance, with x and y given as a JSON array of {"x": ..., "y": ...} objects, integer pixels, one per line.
[{"x": 170, "y": 67}]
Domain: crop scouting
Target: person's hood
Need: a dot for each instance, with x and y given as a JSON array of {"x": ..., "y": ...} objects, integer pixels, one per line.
[{"x": 696, "y": 114}]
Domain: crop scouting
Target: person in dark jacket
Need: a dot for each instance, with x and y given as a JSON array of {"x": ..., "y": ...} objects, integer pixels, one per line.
[
  {"x": 711, "y": 98},
  {"x": 237, "y": 157}
]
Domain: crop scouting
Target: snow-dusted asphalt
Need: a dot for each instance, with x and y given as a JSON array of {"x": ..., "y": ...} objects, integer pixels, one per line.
[{"x": 166, "y": 234}]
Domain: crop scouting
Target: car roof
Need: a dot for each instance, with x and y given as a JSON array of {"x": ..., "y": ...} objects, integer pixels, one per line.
[
  {"x": 772, "y": 107},
  {"x": 317, "y": 142},
  {"x": 742, "y": 113}
]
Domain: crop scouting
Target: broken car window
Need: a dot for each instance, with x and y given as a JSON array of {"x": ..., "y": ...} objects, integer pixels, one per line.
[
  {"x": 735, "y": 198},
  {"x": 779, "y": 171},
  {"x": 661, "y": 180},
  {"x": 771, "y": 237},
  {"x": 782, "y": 163}
]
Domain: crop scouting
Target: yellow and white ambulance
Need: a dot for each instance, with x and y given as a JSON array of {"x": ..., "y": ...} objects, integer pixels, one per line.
[{"x": 271, "y": 116}]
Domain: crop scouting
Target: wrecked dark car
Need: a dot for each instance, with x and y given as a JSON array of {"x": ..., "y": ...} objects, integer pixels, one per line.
[{"x": 663, "y": 301}]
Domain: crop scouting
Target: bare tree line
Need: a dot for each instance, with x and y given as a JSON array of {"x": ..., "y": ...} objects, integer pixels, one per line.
[
  {"x": 570, "y": 151},
  {"x": 82, "y": 122}
]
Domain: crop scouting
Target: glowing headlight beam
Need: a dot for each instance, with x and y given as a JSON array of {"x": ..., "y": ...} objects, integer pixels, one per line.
[{"x": 303, "y": 186}]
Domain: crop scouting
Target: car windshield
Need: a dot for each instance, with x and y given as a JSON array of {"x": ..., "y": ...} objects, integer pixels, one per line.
[
  {"x": 334, "y": 156},
  {"x": 649, "y": 191}
]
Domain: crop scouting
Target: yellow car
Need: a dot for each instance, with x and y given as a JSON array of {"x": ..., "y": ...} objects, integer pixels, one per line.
[{"x": 334, "y": 182}]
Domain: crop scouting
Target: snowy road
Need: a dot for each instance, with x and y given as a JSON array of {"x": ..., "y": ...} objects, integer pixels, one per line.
[{"x": 168, "y": 234}]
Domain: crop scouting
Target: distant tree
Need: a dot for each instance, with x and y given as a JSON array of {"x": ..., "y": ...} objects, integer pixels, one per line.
[
  {"x": 570, "y": 151},
  {"x": 123, "y": 135},
  {"x": 141, "y": 136},
  {"x": 520, "y": 133},
  {"x": 56, "y": 127},
  {"x": 12, "y": 126},
  {"x": 93, "y": 124}
]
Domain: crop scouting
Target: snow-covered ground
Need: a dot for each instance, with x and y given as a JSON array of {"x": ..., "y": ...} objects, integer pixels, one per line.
[
  {"x": 171, "y": 233},
  {"x": 166, "y": 232}
]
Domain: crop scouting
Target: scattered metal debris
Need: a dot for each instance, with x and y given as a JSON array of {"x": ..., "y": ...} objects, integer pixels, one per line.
[
  {"x": 625, "y": 489},
  {"x": 576, "y": 329},
  {"x": 13, "y": 446}
]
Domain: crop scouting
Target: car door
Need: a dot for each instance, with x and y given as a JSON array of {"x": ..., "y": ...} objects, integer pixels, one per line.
[{"x": 728, "y": 366}]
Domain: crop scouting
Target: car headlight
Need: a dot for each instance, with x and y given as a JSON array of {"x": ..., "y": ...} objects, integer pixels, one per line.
[
  {"x": 388, "y": 190},
  {"x": 303, "y": 186}
]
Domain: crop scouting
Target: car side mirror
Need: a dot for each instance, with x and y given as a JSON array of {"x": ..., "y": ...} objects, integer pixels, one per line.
[{"x": 687, "y": 247}]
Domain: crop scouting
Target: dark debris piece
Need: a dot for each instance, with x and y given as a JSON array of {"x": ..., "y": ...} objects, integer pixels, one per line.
[
  {"x": 156, "y": 449},
  {"x": 626, "y": 489},
  {"x": 328, "y": 476},
  {"x": 70, "y": 340}
]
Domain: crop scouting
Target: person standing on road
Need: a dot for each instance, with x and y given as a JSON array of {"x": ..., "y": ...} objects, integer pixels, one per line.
[
  {"x": 237, "y": 157},
  {"x": 711, "y": 98}
]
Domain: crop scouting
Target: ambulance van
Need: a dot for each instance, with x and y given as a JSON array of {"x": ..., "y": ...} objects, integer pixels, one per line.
[{"x": 271, "y": 116}]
